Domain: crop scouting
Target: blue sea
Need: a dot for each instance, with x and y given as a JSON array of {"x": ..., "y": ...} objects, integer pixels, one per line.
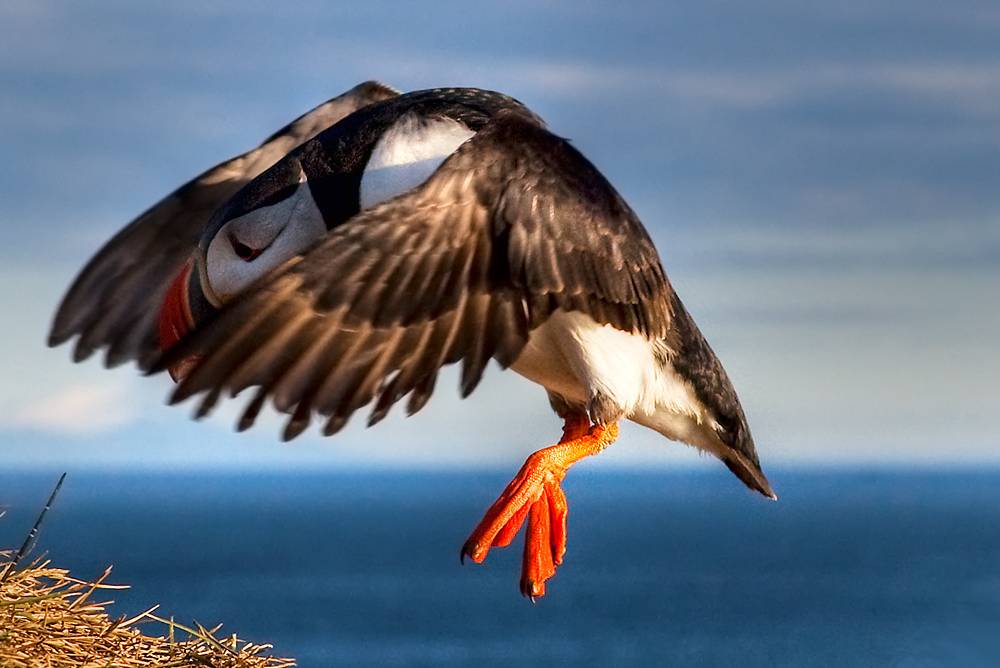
[{"x": 671, "y": 569}]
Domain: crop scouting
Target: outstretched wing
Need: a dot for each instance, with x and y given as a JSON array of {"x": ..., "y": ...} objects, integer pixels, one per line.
[
  {"x": 114, "y": 301},
  {"x": 515, "y": 224}
]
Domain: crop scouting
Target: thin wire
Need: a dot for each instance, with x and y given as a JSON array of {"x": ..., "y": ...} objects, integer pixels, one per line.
[{"x": 32, "y": 537}]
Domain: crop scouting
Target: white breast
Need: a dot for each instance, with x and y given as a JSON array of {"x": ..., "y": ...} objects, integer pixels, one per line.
[
  {"x": 407, "y": 154},
  {"x": 575, "y": 357}
]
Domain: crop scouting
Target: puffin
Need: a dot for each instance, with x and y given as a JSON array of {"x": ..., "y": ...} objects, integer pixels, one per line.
[{"x": 382, "y": 236}]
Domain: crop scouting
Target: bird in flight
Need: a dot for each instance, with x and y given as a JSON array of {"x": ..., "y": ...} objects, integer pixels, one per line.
[{"x": 382, "y": 236}]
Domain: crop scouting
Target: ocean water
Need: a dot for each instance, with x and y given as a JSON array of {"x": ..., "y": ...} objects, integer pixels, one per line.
[{"x": 672, "y": 569}]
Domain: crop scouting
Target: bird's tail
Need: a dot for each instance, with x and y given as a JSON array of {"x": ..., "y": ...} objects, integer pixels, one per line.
[
  {"x": 749, "y": 472},
  {"x": 694, "y": 360}
]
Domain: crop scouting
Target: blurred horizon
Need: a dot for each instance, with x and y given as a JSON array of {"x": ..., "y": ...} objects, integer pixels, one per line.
[
  {"x": 360, "y": 570},
  {"x": 820, "y": 182}
]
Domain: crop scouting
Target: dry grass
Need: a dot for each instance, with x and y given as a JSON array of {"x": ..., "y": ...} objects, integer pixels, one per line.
[{"x": 50, "y": 619}]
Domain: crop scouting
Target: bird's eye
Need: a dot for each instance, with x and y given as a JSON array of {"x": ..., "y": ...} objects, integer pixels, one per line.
[{"x": 243, "y": 251}]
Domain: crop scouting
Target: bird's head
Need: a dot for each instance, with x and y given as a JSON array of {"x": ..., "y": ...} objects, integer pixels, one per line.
[{"x": 273, "y": 219}]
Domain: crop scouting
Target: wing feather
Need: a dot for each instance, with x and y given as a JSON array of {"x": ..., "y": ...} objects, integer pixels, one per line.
[
  {"x": 114, "y": 302},
  {"x": 513, "y": 226}
]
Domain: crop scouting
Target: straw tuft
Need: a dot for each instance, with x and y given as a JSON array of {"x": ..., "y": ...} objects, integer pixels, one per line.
[{"x": 48, "y": 618}]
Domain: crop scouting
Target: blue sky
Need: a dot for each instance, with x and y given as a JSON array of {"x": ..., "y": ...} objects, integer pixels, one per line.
[{"x": 821, "y": 180}]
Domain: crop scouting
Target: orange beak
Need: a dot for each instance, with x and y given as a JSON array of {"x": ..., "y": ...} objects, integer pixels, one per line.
[{"x": 176, "y": 320}]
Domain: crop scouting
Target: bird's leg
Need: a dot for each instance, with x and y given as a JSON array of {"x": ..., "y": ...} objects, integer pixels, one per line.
[{"x": 535, "y": 494}]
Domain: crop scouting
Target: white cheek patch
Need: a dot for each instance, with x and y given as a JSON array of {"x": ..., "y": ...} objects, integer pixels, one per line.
[
  {"x": 407, "y": 154},
  {"x": 288, "y": 228}
]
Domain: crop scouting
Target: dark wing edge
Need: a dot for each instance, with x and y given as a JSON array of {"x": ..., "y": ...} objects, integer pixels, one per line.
[
  {"x": 114, "y": 301},
  {"x": 459, "y": 269},
  {"x": 696, "y": 362},
  {"x": 573, "y": 243},
  {"x": 370, "y": 314}
]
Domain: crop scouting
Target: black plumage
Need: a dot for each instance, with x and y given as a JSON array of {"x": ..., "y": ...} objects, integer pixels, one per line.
[
  {"x": 114, "y": 301},
  {"x": 696, "y": 362},
  {"x": 512, "y": 228},
  {"x": 453, "y": 271}
]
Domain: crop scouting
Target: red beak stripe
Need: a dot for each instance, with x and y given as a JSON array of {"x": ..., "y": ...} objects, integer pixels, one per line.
[{"x": 176, "y": 320}]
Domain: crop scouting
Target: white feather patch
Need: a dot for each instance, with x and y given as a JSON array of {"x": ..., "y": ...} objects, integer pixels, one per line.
[
  {"x": 282, "y": 230},
  {"x": 576, "y": 358},
  {"x": 407, "y": 154}
]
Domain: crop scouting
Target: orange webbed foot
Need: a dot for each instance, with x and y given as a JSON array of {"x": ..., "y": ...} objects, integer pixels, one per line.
[
  {"x": 544, "y": 542},
  {"x": 535, "y": 495}
]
